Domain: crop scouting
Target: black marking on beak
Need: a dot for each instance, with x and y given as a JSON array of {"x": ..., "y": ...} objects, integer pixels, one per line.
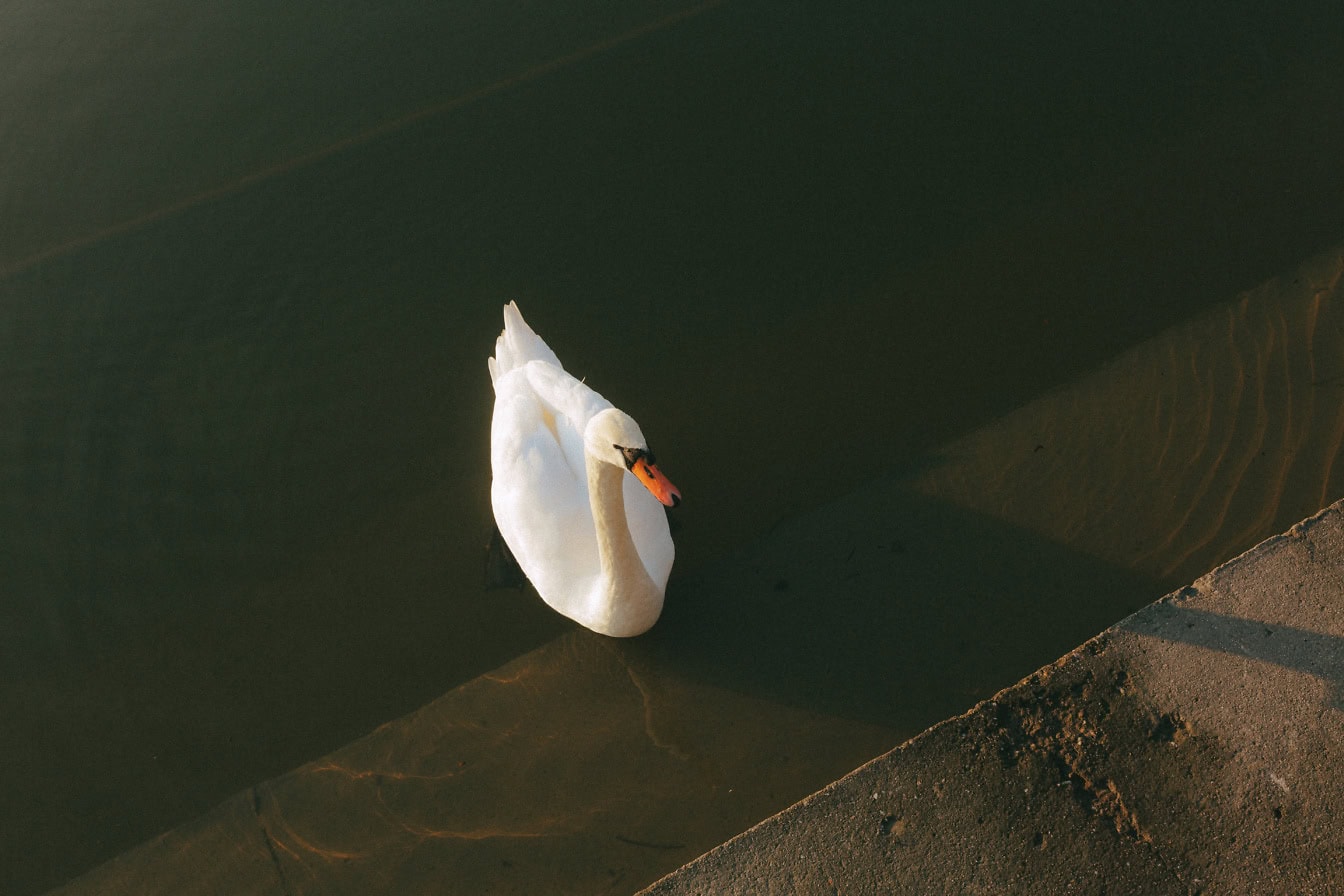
[{"x": 633, "y": 456}]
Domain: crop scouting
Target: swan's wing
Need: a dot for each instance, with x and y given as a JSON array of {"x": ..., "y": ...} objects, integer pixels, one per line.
[
  {"x": 540, "y": 492},
  {"x": 517, "y": 345},
  {"x": 565, "y": 396}
]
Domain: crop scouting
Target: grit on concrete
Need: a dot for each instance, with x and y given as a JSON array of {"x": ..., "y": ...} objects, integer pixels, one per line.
[{"x": 1194, "y": 747}]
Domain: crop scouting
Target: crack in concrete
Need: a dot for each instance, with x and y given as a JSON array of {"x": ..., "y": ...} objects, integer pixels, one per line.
[
  {"x": 270, "y": 843},
  {"x": 647, "y": 701},
  {"x": 673, "y": 750}
]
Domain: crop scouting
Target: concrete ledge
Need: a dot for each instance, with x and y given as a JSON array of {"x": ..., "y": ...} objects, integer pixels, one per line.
[{"x": 1194, "y": 747}]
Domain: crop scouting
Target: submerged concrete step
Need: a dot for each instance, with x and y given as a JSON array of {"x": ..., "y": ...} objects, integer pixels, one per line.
[{"x": 1193, "y": 747}]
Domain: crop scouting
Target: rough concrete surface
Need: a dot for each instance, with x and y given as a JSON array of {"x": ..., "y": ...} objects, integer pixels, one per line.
[{"x": 1195, "y": 747}]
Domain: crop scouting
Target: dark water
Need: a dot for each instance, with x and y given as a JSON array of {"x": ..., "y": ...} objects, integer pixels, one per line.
[{"x": 252, "y": 261}]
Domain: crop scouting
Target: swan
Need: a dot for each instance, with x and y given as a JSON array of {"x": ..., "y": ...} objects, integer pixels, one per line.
[{"x": 575, "y": 491}]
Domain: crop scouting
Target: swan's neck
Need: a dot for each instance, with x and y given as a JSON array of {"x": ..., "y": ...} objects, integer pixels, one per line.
[{"x": 627, "y": 601}]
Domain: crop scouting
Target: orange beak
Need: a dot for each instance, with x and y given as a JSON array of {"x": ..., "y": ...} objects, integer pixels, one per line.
[{"x": 656, "y": 482}]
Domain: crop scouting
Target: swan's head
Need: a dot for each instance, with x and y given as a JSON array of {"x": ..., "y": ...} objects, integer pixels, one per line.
[{"x": 612, "y": 436}]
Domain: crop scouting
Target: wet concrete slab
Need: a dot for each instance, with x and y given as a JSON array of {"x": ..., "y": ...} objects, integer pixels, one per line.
[
  {"x": 1190, "y": 748},
  {"x": 1193, "y": 747},
  {"x": 576, "y": 768}
]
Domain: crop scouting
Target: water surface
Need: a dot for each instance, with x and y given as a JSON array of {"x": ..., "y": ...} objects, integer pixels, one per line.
[{"x": 253, "y": 261}]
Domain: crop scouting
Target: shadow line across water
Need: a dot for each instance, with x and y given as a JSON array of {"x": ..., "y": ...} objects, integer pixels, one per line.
[{"x": 888, "y": 607}]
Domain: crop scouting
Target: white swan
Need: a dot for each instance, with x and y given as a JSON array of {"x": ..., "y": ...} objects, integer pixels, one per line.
[{"x": 593, "y": 540}]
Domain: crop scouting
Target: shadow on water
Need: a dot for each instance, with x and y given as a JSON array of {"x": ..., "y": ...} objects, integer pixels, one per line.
[
  {"x": 891, "y": 608},
  {"x": 244, "y": 444}
]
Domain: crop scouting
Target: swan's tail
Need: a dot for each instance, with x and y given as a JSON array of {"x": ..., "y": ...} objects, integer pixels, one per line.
[{"x": 517, "y": 345}]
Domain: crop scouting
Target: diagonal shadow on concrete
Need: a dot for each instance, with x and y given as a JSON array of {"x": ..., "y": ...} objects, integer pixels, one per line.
[{"x": 1301, "y": 650}]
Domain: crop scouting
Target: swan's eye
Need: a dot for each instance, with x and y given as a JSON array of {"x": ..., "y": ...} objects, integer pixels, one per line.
[{"x": 633, "y": 456}]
